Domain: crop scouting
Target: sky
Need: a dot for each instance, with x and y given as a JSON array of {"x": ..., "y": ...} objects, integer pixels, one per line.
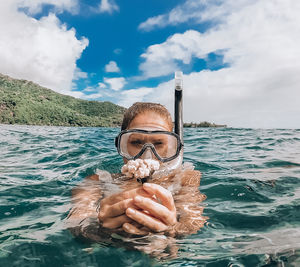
[{"x": 240, "y": 59}]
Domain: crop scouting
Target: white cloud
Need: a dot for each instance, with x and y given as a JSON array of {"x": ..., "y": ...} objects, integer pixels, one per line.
[
  {"x": 91, "y": 92},
  {"x": 43, "y": 50},
  {"x": 157, "y": 21},
  {"x": 79, "y": 74},
  {"x": 195, "y": 11},
  {"x": 108, "y": 6},
  {"x": 260, "y": 86},
  {"x": 115, "y": 83},
  {"x": 112, "y": 67},
  {"x": 129, "y": 97},
  {"x": 189, "y": 10},
  {"x": 162, "y": 59},
  {"x": 102, "y": 85},
  {"x": 35, "y": 6},
  {"x": 83, "y": 95},
  {"x": 76, "y": 94},
  {"x": 88, "y": 89},
  {"x": 93, "y": 96}
]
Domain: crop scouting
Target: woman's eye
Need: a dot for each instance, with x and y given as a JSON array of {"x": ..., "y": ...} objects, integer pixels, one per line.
[
  {"x": 136, "y": 142},
  {"x": 158, "y": 143}
]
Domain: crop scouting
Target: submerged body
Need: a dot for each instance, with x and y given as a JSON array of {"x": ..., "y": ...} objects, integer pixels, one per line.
[
  {"x": 167, "y": 204},
  {"x": 184, "y": 186}
]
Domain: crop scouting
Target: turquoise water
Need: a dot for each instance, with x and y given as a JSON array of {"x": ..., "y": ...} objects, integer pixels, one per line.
[{"x": 250, "y": 178}]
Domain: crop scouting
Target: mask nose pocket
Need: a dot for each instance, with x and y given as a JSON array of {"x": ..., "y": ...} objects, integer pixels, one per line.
[{"x": 148, "y": 154}]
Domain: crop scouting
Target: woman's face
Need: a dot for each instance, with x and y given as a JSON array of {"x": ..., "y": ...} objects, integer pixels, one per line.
[{"x": 152, "y": 121}]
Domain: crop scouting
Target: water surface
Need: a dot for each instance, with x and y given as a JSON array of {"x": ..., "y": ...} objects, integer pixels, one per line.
[{"x": 250, "y": 178}]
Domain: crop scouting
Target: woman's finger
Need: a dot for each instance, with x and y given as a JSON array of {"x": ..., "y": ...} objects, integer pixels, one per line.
[
  {"x": 155, "y": 209},
  {"x": 115, "y": 198},
  {"x": 146, "y": 220},
  {"x": 114, "y": 210},
  {"x": 116, "y": 222},
  {"x": 131, "y": 229},
  {"x": 163, "y": 194}
]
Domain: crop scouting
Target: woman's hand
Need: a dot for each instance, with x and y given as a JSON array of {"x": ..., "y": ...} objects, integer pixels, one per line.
[
  {"x": 113, "y": 208},
  {"x": 156, "y": 212},
  {"x": 138, "y": 211}
]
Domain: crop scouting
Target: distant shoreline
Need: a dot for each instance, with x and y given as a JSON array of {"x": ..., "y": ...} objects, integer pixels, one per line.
[
  {"x": 204, "y": 124},
  {"x": 185, "y": 125}
]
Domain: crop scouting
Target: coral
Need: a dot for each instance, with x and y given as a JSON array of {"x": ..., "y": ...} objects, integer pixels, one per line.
[{"x": 140, "y": 168}]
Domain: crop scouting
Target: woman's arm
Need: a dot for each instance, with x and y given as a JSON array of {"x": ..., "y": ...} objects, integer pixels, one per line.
[
  {"x": 188, "y": 200},
  {"x": 85, "y": 199}
]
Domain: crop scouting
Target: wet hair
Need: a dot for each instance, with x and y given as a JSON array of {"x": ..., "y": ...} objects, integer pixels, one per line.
[{"x": 142, "y": 107}]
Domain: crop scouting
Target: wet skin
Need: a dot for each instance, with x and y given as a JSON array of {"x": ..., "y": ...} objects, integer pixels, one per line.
[{"x": 138, "y": 211}]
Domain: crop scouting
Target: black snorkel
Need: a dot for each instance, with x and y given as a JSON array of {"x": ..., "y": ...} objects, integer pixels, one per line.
[{"x": 178, "y": 117}]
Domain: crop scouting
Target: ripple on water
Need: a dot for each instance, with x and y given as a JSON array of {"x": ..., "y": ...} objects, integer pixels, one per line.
[{"x": 250, "y": 178}]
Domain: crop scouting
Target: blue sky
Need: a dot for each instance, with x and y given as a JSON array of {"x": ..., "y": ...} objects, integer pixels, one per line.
[
  {"x": 240, "y": 59},
  {"x": 115, "y": 37}
]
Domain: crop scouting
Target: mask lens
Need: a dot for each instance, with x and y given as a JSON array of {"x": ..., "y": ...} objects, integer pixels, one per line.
[
  {"x": 165, "y": 145},
  {"x": 132, "y": 143}
]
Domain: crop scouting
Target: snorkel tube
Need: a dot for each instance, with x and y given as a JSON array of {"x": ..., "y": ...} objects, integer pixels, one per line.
[
  {"x": 178, "y": 105},
  {"x": 178, "y": 120},
  {"x": 178, "y": 114}
]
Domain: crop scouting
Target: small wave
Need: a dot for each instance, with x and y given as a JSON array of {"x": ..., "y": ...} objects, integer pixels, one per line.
[
  {"x": 258, "y": 148},
  {"x": 281, "y": 163}
]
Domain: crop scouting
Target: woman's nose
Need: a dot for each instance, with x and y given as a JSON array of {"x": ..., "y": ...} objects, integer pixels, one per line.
[{"x": 148, "y": 154}]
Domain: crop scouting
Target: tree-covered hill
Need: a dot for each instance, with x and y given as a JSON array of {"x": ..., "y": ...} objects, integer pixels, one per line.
[{"x": 24, "y": 102}]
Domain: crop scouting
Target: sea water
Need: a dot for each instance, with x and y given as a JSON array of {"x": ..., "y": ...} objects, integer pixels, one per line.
[{"x": 250, "y": 178}]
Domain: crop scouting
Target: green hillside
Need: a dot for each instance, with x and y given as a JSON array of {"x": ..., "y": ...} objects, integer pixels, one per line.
[{"x": 24, "y": 102}]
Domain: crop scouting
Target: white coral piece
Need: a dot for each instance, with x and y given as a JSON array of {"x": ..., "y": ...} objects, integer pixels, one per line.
[{"x": 140, "y": 168}]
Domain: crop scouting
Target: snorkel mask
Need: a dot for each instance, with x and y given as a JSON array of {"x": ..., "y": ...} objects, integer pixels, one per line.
[
  {"x": 155, "y": 143},
  {"x": 149, "y": 143}
]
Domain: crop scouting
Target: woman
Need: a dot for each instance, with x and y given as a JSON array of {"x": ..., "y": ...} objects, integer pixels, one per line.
[{"x": 140, "y": 209}]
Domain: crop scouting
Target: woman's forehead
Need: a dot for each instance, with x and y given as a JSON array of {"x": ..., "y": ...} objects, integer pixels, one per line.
[
  {"x": 149, "y": 119},
  {"x": 148, "y": 136}
]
